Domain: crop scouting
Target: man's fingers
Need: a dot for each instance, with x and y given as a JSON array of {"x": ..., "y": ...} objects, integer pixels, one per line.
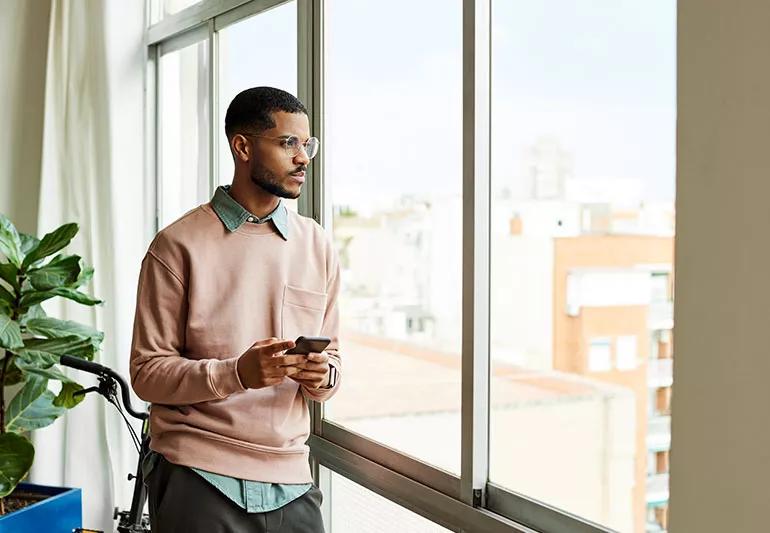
[
  {"x": 280, "y": 372},
  {"x": 314, "y": 367},
  {"x": 279, "y": 346},
  {"x": 291, "y": 370},
  {"x": 288, "y": 360},
  {"x": 318, "y": 357},
  {"x": 305, "y": 375},
  {"x": 265, "y": 342}
]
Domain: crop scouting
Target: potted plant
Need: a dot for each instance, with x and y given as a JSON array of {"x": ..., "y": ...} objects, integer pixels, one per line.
[{"x": 31, "y": 344}]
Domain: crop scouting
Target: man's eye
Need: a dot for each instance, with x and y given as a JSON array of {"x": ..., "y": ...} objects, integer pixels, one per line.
[{"x": 291, "y": 142}]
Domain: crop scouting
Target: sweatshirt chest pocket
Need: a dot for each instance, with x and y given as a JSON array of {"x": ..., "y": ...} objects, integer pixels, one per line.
[{"x": 302, "y": 312}]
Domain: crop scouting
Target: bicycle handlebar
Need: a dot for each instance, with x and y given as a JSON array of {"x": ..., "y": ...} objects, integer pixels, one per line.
[{"x": 104, "y": 372}]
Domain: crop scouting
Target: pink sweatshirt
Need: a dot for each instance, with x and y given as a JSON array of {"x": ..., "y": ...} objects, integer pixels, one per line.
[{"x": 206, "y": 295}]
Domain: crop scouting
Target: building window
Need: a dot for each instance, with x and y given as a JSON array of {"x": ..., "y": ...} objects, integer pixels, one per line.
[{"x": 600, "y": 354}]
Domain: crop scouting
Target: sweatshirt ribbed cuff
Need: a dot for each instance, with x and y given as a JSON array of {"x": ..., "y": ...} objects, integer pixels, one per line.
[{"x": 224, "y": 377}]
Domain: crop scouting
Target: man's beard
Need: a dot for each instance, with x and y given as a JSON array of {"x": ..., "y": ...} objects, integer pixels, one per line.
[{"x": 265, "y": 179}]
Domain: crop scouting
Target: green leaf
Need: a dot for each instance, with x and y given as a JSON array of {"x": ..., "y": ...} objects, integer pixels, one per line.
[
  {"x": 35, "y": 297},
  {"x": 46, "y": 352},
  {"x": 62, "y": 270},
  {"x": 33, "y": 407},
  {"x": 7, "y": 296},
  {"x": 10, "y": 334},
  {"x": 79, "y": 297},
  {"x": 65, "y": 399},
  {"x": 28, "y": 242},
  {"x": 53, "y": 328},
  {"x": 51, "y": 243},
  {"x": 12, "y": 374},
  {"x": 8, "y": 272},
  {"x": 36, "y": 311},
  {"x": 10, "y": 242},
  {"x": 48, "y": 372},
  {"x": 16, "y": 456},
  {"x": 86, "y": 273}
]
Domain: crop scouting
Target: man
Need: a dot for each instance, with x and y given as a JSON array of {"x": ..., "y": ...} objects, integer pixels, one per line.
[{"x": 223, "y": 292}]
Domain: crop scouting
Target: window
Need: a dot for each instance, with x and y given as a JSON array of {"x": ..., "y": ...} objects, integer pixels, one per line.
[
  {"x": 170, "y": 7},
  {"x": 579, "y": 169},
  {"x": 354, "y": 509},
  {"x": 184, "y": 131},
  {"x": 582, "y": 209},
  {"x": 393, "y": 172},
  {"x": 600, "y": 355},
  {"x": 260, "y": 50},
  {"x": 626, "y": 350}
]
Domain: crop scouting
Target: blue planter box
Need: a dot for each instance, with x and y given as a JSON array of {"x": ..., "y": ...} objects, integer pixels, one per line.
[{"x": 61, "y": 512}]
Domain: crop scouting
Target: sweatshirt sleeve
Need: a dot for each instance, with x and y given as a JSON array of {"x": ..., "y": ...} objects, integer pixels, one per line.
[
  {"x": 160, "y": 373},
  {"x": 330, "y": 327}
]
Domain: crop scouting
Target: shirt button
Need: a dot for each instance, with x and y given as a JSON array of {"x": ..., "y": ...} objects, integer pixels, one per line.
[{"x": 251, "y": 219}]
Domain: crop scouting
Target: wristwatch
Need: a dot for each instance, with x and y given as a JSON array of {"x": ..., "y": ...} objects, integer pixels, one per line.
[{"x": 332, "y": 377}]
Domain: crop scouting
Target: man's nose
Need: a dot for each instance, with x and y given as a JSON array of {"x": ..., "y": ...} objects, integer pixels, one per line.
[{"x": 302, "y": 157}]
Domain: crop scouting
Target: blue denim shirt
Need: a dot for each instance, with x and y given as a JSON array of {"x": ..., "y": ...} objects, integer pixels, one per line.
[
  {"x": 233, "y": 215},
  {"x": 253, "y": 496}
]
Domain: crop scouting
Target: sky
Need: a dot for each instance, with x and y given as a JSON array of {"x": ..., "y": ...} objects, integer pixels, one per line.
[{"x": 599, "y": 76}]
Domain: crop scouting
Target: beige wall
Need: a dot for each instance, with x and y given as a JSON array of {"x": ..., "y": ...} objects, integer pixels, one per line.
[
  {"x": 720, "y": 458},
  {"x": 23, "y": 48}
]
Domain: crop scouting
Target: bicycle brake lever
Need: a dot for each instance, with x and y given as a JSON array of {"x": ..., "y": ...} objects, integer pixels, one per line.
[{"x": 83, "y": 392}]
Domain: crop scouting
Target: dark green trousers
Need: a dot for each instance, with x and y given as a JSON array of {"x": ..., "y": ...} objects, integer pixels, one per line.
[{"x": 181, "y": 501}]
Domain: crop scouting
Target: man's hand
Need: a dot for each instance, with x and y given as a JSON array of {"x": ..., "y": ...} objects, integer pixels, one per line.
[
  {"x": 264, "y": 363},
  {"x": 313, "y": 371}
]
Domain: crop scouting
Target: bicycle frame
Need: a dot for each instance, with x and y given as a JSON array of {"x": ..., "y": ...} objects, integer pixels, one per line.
[{"x": 134, "y": 520}]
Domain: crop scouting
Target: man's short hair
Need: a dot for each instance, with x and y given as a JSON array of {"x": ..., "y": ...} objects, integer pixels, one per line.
[{"x": 250, "y": 111}]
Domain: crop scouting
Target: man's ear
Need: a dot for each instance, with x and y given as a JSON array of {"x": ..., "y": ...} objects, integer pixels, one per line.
[{"x": 240, "y": 148}]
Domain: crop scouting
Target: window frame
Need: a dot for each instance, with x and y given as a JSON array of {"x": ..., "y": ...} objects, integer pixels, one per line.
[{"x": 464, "y": 503}]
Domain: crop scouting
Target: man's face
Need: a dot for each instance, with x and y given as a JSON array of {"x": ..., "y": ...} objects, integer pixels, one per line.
[{"x": 272, "y": 168}]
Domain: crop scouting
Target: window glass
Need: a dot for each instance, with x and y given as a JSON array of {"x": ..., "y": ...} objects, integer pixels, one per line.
[
  {"x": 583, "y": 118},
  {"x": 184, "y": 131},
  {"x": 394, "y": 179},
  {"x": 258, "y": 51}
]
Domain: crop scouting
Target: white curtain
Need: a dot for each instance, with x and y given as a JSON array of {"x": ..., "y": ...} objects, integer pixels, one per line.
[{"x": 92, "y": 174}]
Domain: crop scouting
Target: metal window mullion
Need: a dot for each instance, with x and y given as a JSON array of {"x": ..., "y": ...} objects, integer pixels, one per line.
[
  {"x": 189, "y": 18},
  {"x": 410, "y": 494},
  {"x": 151, "y": 146},
  {"x": 536, "y": 514},
  {"x": 305, "y": 92},
  {"x": 184, "y": 39},
  {"x": 214, "y": 129},
  {"x": 393, "y": 459},
  {"x": 308, "y": 91},
  {"x": 476, "y": 283},
  {"x": 320, "y": 187},
  {"x": 159, "y": 140},
  {"x": 308, "y": 47}
]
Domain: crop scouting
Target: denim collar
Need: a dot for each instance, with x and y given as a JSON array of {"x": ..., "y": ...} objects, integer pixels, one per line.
[{"x": 233, "y": 215}]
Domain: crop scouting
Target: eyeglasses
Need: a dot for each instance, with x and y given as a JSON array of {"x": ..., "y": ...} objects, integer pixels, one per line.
[{"x": 293, "y": 145}]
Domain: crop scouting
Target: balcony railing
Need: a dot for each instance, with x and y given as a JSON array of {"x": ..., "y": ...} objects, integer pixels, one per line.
[
  {"x": 657, "y": 489},
  {"x": 661, "y": 315},
  {"x": 659, "y": 433},
  {"x": 660, "y": 373}
]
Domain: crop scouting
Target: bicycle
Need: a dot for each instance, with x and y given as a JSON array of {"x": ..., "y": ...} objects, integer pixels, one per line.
[{"x": 134, "y": 520}]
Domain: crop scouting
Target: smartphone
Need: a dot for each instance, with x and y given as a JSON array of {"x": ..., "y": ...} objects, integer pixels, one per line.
[{"x": 305, "y": 345}]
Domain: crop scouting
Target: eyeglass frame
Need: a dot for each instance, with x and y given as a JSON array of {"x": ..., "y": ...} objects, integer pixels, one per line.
[{"x": 286, "y": 137}]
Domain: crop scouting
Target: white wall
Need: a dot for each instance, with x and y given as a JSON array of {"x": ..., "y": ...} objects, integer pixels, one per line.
[
  {"x": 720, "y": 466},
  {"x": 23, "y": 48}
]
